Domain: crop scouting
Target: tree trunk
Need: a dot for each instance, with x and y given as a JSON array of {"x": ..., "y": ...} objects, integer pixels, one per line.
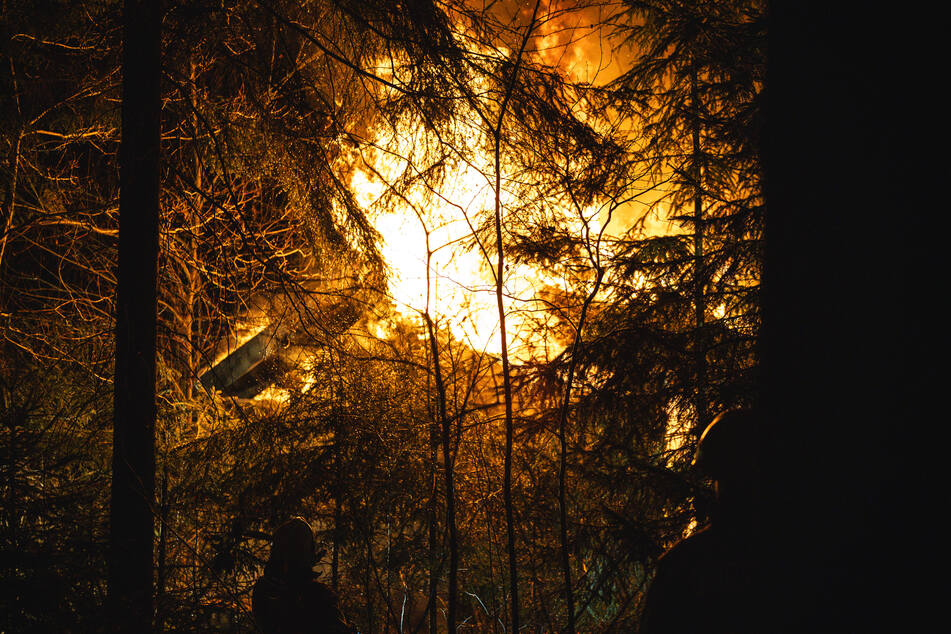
[
  {"x": 699, "y": 276},
  {"x": 433, "y": 505},
  {"x": 338, "y": 486},
  {"x": 563, "y": 459},
  {"x": 162, "y": 563},
  {"x": 440, "y": 428},
  {"x": 8, "y": 206},
  {"x": 507, "y": 391},
  {"x": 506, "y": 371},
  {"x": 133, "y": 462},
  {"x": 11, "y": 185},
  {"x": 448, "y": 474}
]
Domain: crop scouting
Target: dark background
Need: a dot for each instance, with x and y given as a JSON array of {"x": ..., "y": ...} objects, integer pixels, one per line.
[{"x": 852, "y": 331}]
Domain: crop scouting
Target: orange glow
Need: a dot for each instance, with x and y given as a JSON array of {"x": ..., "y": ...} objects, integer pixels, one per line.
[
  {"x": 387, "y": 176},
  {"x": 461, "y": 290}
]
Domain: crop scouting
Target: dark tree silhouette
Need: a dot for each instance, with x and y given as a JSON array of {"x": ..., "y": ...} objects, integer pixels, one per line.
[
  {"x": 133, "y": 462},
  {"x": 850, "y": 313},
  {"x": 694, "y": 90}
]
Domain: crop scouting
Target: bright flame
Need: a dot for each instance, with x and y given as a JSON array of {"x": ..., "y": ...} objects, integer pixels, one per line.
[
  {"x": 418, "y": 216},
  {"x": 460, "y": 288},
  {"x": 421, "y": 217},
  {"x": 273, "y": 394}
]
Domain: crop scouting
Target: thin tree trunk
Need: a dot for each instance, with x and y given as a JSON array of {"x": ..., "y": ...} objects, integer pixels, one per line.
[
  {"x": 366, "y": 584},
  {"x": 133, "y": 462},
  {"x": 338, "y": 460},
  {"x": 506, "y": 370},
  {"x": 10, "y": 194},
  {"x": 191, "y": 220},
  {"x": 563, "y": 458},
  {"x": 188, "y": 360},
  {"x": 6, "y": 407},
  {"x": 162, "y": 565},
  {"x": 433, "y": 504},
  {"x": 11, "y": 511},
  {"x": 335, "y": 554},
  {"x": 445, "y": 427},
  {"x": 507, "y": 391},
  {"x": 448, "y": 474},
  {"x": 341, "y": 438},
  {"x": 699, "y": 281},
  {"x": 8, "y": 206}
]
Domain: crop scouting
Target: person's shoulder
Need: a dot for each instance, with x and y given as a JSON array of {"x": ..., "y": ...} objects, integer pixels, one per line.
[
  {"x": 696, "y": 545},
  {"x": 266, "y": 602},
  {"x": 265, "y": 587},
  {"x": 319, "y": 590}
]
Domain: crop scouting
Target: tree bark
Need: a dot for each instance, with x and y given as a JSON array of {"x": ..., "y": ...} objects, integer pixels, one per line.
[
  {"x": 506, "y": 371},
  {"x": 444, "y": 429},
  {"x": 433, "y": 505},
  {"x": 162, "y": 563},
  {"x": 507, "y": 391},
  {"x": 563, "y": 458},
  {"x": 133, "y": 462},
  {"x": 699, "y": 279},
  {"x": 448, "y": 474},
  {"x": 11, "y": 185},
  {"x": 8, "y": 204}
]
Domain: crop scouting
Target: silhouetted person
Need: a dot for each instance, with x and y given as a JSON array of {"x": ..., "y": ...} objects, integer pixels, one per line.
[
  {"x": 289, "y": 599},
  {"x": 711, "y": 581}
]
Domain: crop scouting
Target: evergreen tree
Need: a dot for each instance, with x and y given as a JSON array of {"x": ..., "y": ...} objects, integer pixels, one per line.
[{"x": 693, "y": 94}]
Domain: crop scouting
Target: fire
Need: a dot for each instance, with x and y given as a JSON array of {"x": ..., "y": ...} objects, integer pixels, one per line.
[
  {"x": 423, "y": 219},
  {"x": 440, "y": 219},
  {"x": 459, "y": 288}
]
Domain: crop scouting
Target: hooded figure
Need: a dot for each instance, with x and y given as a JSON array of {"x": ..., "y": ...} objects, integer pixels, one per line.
[
  {"x": 709, "y": 583},
  {"x": 289, "y": 599}
]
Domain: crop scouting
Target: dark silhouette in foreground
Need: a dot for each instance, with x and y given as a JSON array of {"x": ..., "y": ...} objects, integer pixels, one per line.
[
  {"x": 711, "y": 581},
  {"x": 289, "y": 599}
]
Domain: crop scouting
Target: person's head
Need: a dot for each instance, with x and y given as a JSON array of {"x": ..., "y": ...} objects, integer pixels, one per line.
[
  {"x": 293, "y": 550},
  {"x": 729, "y": 452}
]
